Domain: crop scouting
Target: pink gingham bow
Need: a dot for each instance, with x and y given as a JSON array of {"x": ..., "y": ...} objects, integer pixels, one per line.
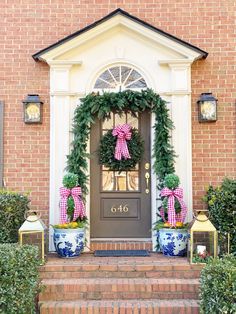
[
  {"x": 123, "y": 133},
  {"x": 172, "y": 216},
  {"x": 79, "y": 210}
]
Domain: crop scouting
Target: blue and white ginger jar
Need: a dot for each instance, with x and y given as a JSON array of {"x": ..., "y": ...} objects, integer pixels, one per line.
[
  {"x": 173, "y": 242},
  {"x": 69, "y": 242}
]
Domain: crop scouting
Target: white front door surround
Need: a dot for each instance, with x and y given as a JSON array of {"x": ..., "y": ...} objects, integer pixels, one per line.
[{"x": 74, "y": 67}]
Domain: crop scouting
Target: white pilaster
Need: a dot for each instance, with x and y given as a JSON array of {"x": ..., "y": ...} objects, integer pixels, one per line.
[
  {"x": 180, "y": 109},
  {"x": 59, "y": 138}
]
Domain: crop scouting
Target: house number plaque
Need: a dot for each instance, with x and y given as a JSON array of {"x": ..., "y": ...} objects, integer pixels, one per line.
[
  {"x": 123, "y": 208},
  {"x": 120, "y": 209}
]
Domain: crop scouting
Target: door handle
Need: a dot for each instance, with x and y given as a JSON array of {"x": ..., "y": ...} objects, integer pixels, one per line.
[{"x": 147, "y": 177}]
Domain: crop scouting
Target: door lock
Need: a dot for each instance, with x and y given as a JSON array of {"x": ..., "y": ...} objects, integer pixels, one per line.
[{"x": 147, "y": 166}]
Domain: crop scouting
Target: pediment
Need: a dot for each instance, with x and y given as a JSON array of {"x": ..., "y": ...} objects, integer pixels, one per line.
[{"x": 116, "y": 21}]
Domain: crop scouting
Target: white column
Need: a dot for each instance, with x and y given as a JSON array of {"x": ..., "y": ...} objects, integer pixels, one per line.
[
  {"x": 59, "y": 137},
  {"x": 182, "y": 135}
]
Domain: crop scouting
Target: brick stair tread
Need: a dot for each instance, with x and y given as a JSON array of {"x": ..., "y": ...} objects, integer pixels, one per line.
[
  {"x": 113, "y": 267},
  {"x": 179, "y": 306},
  {"x": 96, "y": 281}
]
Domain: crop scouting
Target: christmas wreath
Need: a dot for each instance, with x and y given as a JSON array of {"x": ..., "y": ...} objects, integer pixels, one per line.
[{"x": 117, "y": 157}]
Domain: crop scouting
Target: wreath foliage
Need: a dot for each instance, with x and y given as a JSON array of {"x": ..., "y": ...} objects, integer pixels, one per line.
[
  {"x": 96, "y": 105},
  {"x": 107, "y": 149}
]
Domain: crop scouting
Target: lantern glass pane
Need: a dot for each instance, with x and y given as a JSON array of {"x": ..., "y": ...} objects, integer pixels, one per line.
[
  {"x": 208, "y": 110},
  {"x": 32, "y": 112},
  {"x": 203, "y": 245},
  {"x": 33, "y": 238}
]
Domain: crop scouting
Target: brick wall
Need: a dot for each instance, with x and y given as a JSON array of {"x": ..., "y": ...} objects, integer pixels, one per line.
[{"x": 30, "y": 25}]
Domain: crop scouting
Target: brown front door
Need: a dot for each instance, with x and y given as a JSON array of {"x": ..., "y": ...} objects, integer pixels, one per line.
[{"x": 120, "y": 202}]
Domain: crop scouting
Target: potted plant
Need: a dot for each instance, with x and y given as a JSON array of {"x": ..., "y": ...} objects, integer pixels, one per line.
[
  {"x": 172, "y": 232},
  {"x": 69, "y": 235}
]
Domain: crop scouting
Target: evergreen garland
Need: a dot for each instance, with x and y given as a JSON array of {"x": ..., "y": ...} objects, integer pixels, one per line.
[
  {"x": 96, "y": 105},
  {"x": 107, "y": 149}
]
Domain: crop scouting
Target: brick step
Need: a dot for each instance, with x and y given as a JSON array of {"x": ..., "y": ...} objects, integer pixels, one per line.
[
  {"x": 120, "y": 245},
  {"x": 153, "y": 306},
  {"x": 118, "y": 288},
  {"x": 147, "y": 270}
]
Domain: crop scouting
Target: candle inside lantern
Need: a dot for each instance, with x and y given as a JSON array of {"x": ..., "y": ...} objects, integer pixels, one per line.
[{"x": 201, "y": 249}]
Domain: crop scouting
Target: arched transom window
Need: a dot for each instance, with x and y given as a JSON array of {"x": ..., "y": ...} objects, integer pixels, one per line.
[{"x": 119, "y": 78}]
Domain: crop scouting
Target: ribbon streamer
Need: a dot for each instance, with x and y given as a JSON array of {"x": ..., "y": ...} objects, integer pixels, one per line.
[
  {"x": 172, "y": 216},
  {"x": 79, "y": 210},
  {"x": 123, "y": 133}
]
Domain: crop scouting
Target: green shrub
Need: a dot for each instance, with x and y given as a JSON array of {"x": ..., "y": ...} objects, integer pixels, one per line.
[
  {"x": 12, "y": 209},
  {"x": 218, "y": 286},
  {"x": 221, "y": 202},
  {"x": 19, "y": 278}
]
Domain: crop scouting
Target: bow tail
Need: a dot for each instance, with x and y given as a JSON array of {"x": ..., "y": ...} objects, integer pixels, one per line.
[
  {"x": 162, "y": 214},
  {"x": 171, "y": 211},
  {"x": 63, "y": 210},
  {"x": 118, "y": 149},
  {"x": 183, "y": 209},
  {"x": 79, "y": 210},
  {"x": 125, "y": 150}
]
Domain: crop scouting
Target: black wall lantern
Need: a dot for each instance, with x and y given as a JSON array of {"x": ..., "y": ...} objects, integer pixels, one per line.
[
  {"x": 207, "y": 108},
  {"x": 32, "y": 107}
]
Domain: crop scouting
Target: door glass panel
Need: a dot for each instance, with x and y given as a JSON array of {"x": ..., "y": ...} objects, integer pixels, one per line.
[
  {"x": 120, "y": 119},
  {"x": 131, "y": 120},
  {"x": 107, "y": 180},
  {"x": 133, "y": 180},
  {"x": 120, "y": 178},
  {"x": 108, "y": 123}
]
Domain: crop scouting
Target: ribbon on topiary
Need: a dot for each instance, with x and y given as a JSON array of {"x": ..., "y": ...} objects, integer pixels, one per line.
[
  {"x": 172, "y": 216},
  {"x": 79, "y": 210},
  {"x": 122, "y": 132}
]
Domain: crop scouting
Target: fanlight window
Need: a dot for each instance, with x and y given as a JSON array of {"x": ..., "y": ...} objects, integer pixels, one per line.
[{"x": 120, "y": 78}]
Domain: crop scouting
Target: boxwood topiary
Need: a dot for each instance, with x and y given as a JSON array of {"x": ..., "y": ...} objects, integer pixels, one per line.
[
  {"x": 218, "y": 286},
  {"x": 12, "y": 208},
  {"x": 19, "y": 279}
]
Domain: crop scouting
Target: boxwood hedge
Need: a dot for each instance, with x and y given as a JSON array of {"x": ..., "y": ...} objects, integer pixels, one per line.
[
  {"x": 19, "y": 279},
  {"x": 221, "y": 203},
  {"x": 12, "y": 208},
  {"x": 218, "y": 286}
]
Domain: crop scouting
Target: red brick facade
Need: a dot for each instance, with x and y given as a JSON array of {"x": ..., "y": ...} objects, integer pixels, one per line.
[{"x": 28, "y": 26}]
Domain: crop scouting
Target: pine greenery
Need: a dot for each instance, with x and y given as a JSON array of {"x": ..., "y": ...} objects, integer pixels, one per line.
[{"x": 96, "y": 105}]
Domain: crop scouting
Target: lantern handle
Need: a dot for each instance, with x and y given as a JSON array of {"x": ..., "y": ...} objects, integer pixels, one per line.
[
  {"x": 28, "y": 212},
  {"x": 204, "y": 211}
]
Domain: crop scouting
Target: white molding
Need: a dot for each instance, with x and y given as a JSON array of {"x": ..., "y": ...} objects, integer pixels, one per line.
[
  {"x": 60, "y": 78},
  {"x": 175, "y": 62},
  {"x": 117, "y": 22},
  {"x": 64, "y": 63},
  {"x": 171, "y": 93},
  {"x": 72, "y": 94}
]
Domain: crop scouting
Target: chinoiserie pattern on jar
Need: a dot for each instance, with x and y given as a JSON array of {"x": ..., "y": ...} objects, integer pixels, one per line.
[
  {"x": 69, "y": 242},
  {"x": 173, "y": 242}
]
